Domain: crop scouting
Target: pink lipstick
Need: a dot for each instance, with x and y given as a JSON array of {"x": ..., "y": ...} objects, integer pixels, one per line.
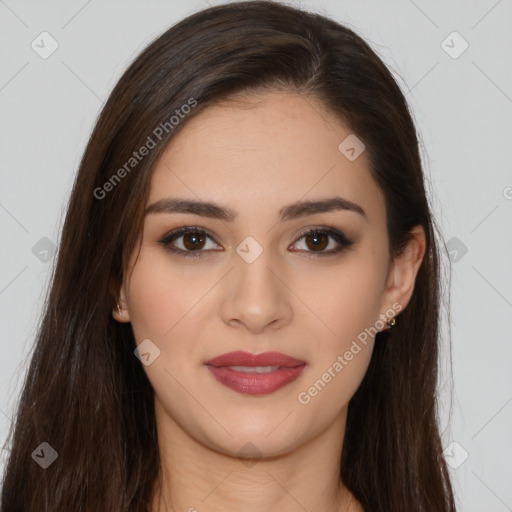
[{"x": 255, "y": 374}]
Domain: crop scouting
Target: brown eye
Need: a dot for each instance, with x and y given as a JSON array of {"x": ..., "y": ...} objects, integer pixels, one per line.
[
  {"x": 194, "y": 240},
  {"x": 189, "y": 241},
  {"x": 317, "y": 240}
]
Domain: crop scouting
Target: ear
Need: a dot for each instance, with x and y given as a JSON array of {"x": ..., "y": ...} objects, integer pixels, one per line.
[
  {"x": 120, "y": 311},
  {"x": 404, "y": 268}
]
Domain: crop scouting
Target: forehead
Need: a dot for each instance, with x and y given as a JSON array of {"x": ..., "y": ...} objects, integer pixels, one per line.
[{"x": 274, "y": 148}]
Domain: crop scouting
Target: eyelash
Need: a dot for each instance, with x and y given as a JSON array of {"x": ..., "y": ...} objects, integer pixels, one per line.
[{"x": 338, "y": 236}]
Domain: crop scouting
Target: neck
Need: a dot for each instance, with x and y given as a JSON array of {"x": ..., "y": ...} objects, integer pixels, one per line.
[{"x": 196, "y": 478}]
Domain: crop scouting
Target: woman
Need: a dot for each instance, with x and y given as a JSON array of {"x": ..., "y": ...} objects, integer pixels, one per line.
[{"x": 244, "y": 310}]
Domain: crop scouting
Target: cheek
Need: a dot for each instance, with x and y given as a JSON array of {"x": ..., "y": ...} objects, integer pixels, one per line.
[
  {"x": 346, "y": 303},
  {"x": 339, "y": 365},
  {"x": 161, "y": 301},
  {"x": 168, "y": 309},
  {"x": 344, "y": 300}
]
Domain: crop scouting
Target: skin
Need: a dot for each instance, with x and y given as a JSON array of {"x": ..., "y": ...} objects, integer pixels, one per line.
[{"x": 256, "y": 155}]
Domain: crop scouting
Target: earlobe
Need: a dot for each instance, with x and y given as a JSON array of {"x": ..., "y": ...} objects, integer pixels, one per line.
[
  {"x": 402, "y": 277},
  {"x": 120, "y": 310}
]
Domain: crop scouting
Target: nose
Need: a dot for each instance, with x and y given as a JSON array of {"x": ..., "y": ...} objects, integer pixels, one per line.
[{"x": 256, "y": 296}]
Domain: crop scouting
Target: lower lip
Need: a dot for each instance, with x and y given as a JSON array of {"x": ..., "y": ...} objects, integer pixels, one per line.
[{"x": 255, "y": 383}]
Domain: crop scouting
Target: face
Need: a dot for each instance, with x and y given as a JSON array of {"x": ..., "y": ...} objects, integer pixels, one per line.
[{"x": 257, "y": 275}]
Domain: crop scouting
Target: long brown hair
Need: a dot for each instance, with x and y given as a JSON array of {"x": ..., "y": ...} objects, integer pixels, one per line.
[{"x": 85, "y": 393}]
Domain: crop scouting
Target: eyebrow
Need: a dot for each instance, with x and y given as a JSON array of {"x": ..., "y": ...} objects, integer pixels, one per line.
[{"x": 287, "y": 212}]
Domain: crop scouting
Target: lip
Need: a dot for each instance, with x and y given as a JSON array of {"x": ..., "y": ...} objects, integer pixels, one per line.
[
  {"x": 255, "y": 383},
  {"x": 241, "y": 358}
]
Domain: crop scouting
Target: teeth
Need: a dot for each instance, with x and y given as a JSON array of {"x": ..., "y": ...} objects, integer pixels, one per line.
[{"x": 254, "y": 369}]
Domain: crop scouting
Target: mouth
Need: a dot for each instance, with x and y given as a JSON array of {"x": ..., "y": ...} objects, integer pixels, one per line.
[
  {"x": 255, "y": 374},
  {"x": 255, "y": 369}
]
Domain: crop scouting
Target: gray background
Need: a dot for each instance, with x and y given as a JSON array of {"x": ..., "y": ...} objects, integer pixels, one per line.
[{"x": 462, "y": 104}]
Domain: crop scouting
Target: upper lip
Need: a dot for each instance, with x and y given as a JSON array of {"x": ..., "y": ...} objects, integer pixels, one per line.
[{"x": 240, "y": 358}]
